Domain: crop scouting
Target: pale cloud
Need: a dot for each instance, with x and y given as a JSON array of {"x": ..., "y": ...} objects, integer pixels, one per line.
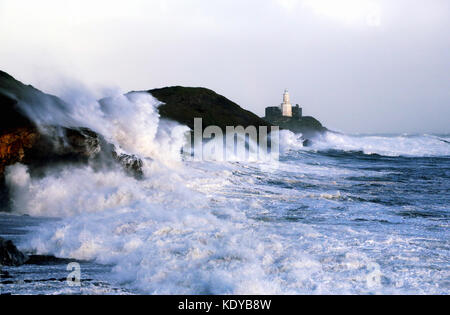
[
  {"x": 345, "y": 11},
  {"x": 288, "y": 4}
]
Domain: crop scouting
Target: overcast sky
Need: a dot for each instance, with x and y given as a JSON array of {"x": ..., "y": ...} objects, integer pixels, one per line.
[{"x": 357, "y": 65}]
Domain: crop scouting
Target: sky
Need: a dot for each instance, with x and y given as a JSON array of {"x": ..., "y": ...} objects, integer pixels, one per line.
[{"x": 359, "y": 66}]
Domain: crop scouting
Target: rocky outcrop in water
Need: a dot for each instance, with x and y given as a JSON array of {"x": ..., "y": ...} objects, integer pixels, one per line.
[
  {"x": 131, "y": 163},
  {"x": 10, "y": 255}
]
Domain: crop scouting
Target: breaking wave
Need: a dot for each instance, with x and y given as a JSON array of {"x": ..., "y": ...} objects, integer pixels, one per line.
[
  {"x": 393, "y": 146},
  {"x": 234, "y": 227}
]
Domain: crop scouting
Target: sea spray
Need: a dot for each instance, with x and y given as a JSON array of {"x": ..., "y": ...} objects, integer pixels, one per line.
[
  {"x": 313, "y": 224},
  {"x": 393, "y": 146}
]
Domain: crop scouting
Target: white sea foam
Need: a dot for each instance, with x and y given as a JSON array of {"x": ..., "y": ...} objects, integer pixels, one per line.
[
  {"x": 290, "y": 141},
  {"x": 131, "y": 122},
  {"x": 219, "y": 227},
  {"x": 402, "y": 145},
  {"x": 196, "y": 230}
]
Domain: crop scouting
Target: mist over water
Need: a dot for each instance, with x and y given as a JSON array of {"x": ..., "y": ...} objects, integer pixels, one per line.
[{"x": 351, "y": 214}]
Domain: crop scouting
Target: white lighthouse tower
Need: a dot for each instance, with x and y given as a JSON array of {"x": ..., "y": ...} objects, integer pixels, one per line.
[{"x": 286, "y": 106}]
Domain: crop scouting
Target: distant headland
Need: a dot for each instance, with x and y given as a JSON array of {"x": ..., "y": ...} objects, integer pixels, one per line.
[
  {"x": 183, "y": 104},
  {"x": 290, "y": 117}
]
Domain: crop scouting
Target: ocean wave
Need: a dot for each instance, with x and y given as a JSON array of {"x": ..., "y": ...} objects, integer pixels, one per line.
[
  {"x": 224, "y": 227},
  {"x": 391, "y": 146}
]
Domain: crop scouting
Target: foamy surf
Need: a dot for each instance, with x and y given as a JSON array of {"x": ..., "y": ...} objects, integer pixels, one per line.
[
  {"x": 398, "y": 145},
  {"x": 312, "y": 223}
]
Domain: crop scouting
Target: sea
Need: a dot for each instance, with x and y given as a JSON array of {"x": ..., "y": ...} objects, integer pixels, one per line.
[{"x": 350, "y": 214}]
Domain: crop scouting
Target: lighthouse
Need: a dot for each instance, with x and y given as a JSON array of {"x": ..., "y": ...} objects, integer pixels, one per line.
[
  {"x": 286, "y": 109},
  {"x": 286, "y": 106}
]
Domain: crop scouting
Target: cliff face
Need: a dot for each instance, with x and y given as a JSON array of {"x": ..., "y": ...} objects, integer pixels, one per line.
[
  {"x": 183, "y": 104},
  {"x": 17, "y": 132},
  {"x": 14, "y": 144}
]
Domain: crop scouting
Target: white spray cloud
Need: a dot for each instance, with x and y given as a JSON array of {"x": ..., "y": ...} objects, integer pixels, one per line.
[{"x": 131, "y": 122}]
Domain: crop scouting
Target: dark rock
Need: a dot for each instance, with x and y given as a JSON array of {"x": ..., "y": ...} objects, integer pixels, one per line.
[
  {"x": 62, "y": 145},
  {"x": 183, "y": 104},
  {"x": 4, "y": 195},
  {"x": 10, "y": 255},
  {"x": 28, "y": 281},
  {"x": 308, "y": 126},
  {"x": 11, "y": 117},
  {"x": 44, "y": 146},
  {"x": 131, "y": 163},
  {"x": 81, "y": 141},
  {"x": 21, "y": 141},
  {"x": 15, "y": 143},
  {"x": 307, "y": 143},
  {"x": 43, "y": 260}
]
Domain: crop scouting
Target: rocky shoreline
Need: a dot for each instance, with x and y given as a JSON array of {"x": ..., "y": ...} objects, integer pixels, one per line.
[
  {"x": 10, "y": 255},
  {"x": 27, "y": 138},
  {"x": 40, "y": 146},
  {"x": 13, "y": 258},
  {"x": 22, "y": 140}
]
